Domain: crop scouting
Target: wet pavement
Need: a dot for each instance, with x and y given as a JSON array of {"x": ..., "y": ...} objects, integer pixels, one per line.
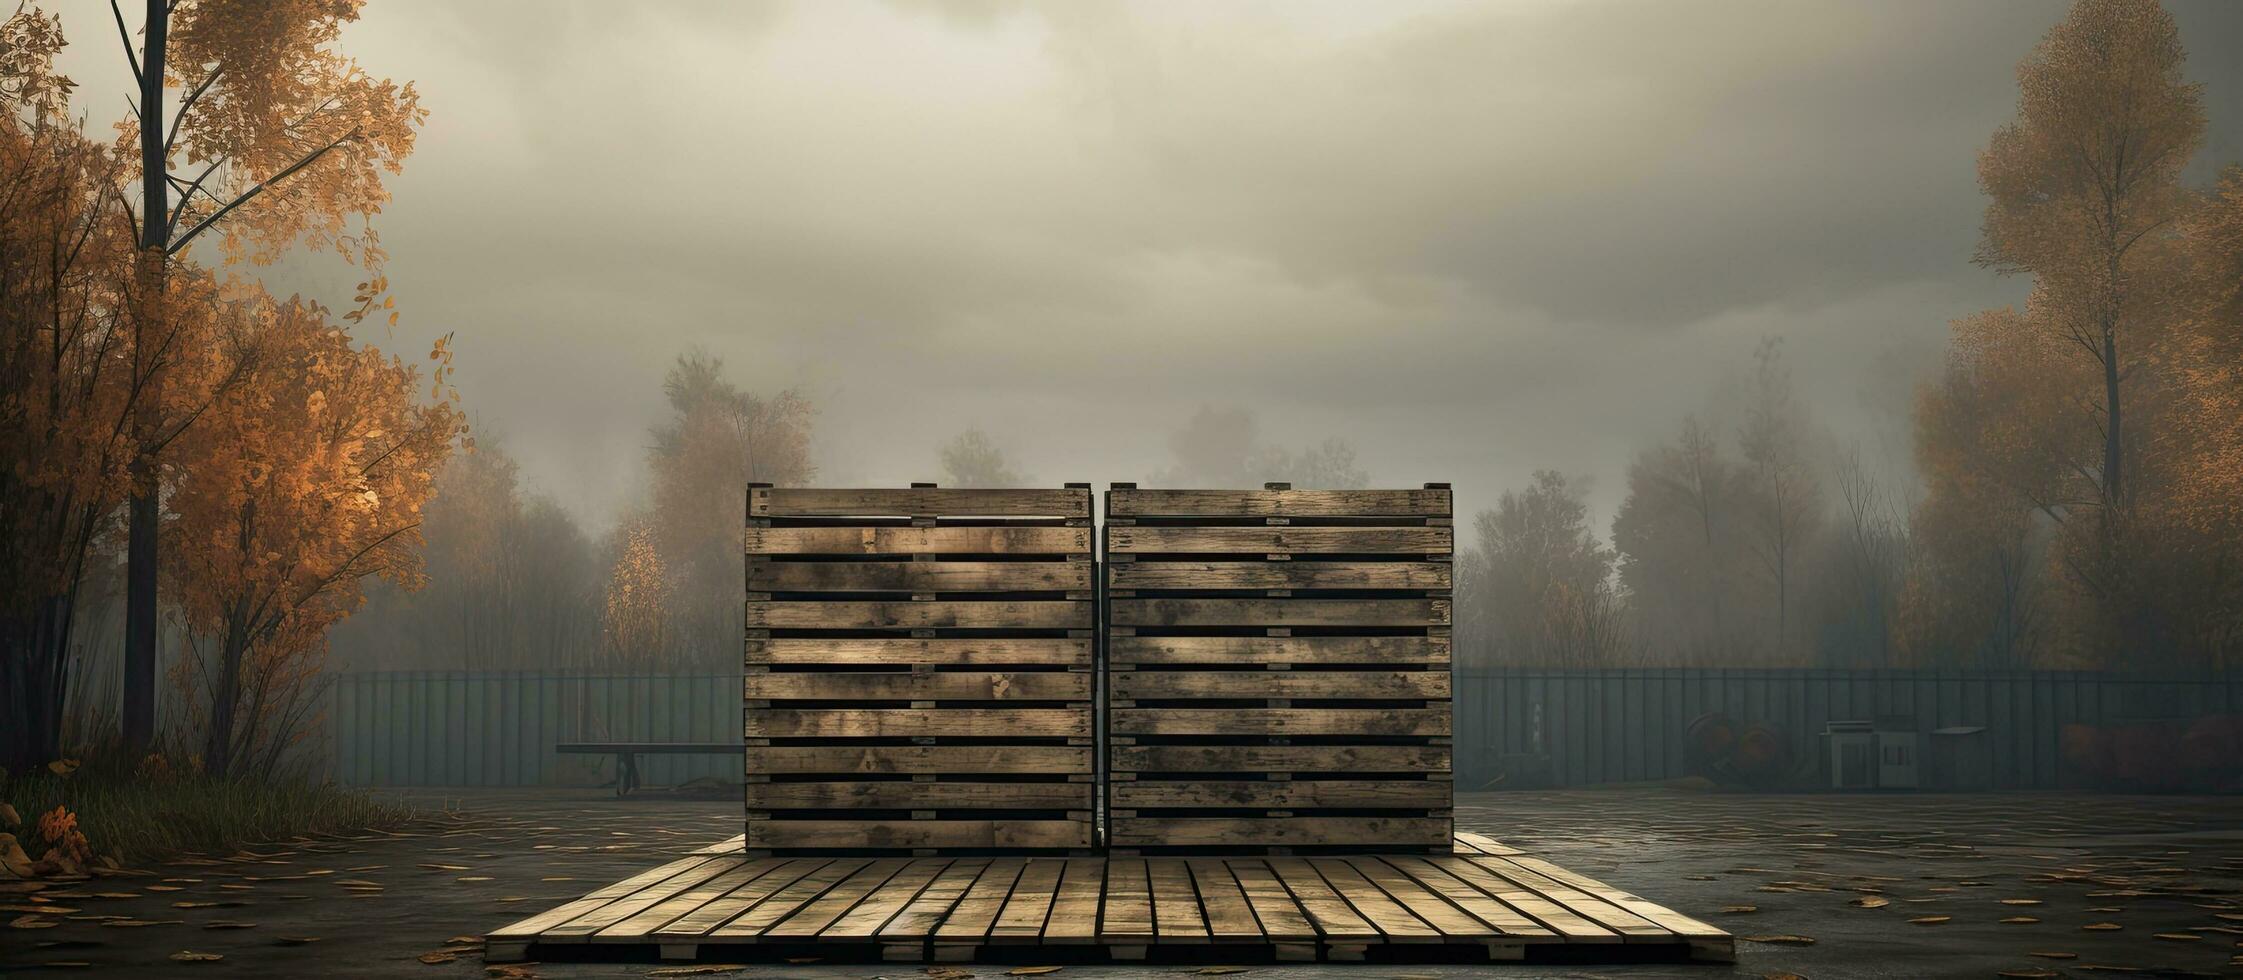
[{"x": 1816, "y": 886}]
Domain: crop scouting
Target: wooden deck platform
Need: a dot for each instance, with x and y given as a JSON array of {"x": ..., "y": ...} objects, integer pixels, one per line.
[{"x": 1484, "y": 902}]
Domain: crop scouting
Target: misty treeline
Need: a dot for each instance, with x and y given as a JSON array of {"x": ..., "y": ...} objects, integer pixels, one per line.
[{"x": 2078, "y": 489}]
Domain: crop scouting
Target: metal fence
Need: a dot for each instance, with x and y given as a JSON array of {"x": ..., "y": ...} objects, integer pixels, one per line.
[
  {"x": 498, "y": 728},
  {"x": 1590, "y": 727}
]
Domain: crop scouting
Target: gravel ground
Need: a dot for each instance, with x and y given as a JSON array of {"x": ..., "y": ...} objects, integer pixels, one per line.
[{"x": 1882, "y": 886}]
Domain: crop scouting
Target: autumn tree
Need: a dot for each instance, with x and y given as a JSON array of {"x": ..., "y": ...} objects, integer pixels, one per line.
[
  {"x": 972, "y": 459},
  {"x": 1540, "y": 588},
  {"x": 1782, "y": 499},
  {"x": 298, "y": 484},
  {"x": 276, "y": 141},
  {"x": 1683, "y": 560},
  {"x": 636, "y": 610}
]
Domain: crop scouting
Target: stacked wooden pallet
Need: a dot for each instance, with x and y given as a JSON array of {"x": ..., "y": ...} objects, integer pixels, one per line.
[
  {"x": 1278, "y": 665},
  {"x": 919, "y": 670}
]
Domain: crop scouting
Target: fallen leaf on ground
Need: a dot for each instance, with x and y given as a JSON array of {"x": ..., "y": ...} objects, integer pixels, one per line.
[
  {"x": 32, "y": 922},
  {"x": 2102, "y": 927},
  {"x": 192, "y": 956},
  {"x": 1030, "y": 971},
  {"x": 1870, "y": 902},
  {"x": 2180, "y": 937},
  {"x": 439, "y": 956},
  {"x": 2019, "y": 920},
  {"x": 464, "y": 941},
  {"x": 475, "y": 878},
  {"x": 39, "y": 909},
  {"x": 228, "y": 924},
  {"x": 1216, "y": 971},
  {"x": 1931, "y": 920},
  {"x": 2021, "y": 901},
  {"x": 1780, "y": 940},
  {"x": 1739, "y": 909}
]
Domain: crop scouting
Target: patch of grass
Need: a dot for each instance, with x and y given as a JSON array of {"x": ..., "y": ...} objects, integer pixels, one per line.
[{"x": 136, "y": 818}]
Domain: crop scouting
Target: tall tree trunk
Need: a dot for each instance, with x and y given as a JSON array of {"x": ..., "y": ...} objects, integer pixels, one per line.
[
  {"x": 139, "y": 714},
  {"x": 2114, "y": 484},
  {"x": 33, "y": 650}
]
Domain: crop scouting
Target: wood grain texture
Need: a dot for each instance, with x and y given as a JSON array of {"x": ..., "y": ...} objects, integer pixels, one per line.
[
  {"x": 1059, "y": 614},
  {"x": 1427, "y": 575},
  {"x": 896, "y": 795},
  {"x": 1278, "y": 503},
  {"x": 918, "y": 576},
  {"x": 919, "y": 833},
  {"x": 1281, "y": 795},
  {"x": 917, "y": 540},
  {"x": 1297, "y": 684},
  {"x": 943, "y": 686},
  {"x": 1259, "y": 831},
  {"x": 917, "y": 502},
  {"x": 1279, "y": 612},
  {"x": 918, "y": 723},
  {"x": 1353, "y": 759},
  {"x": 944, "y": 651},
  {"x": 916, "y": 759},
  {"x": 1279, "y": 540},
  {"x": 1280, "y": 721},
  {"x": 1279, "y": 649}
]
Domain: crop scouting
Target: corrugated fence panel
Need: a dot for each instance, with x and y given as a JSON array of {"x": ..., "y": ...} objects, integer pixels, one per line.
[{"x": 1589, "y": 727}]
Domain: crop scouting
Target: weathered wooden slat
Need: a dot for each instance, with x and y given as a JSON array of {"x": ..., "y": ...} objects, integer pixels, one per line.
[
  {"x": 1279, "y": 649},
  {"x": 708, "y": 917},
  {"x": 1278, "y": 540},
  {"x": 1432, "y": 908},
  {"x": 1030, "y": 903},
  {"x": 1229, "y": 918},
  {"x": 945, "y": 686},
  {"x": 1176, "y": 913},
  {"x": 662, "y": 913},
  {"x": 1557, "y": 918},
  {"x": 1297, "y": 684},
  {"x": 1123, "y": 502},
  {"x": 894, "y": 834},
  {"x": 785, "y": 901},
  {"x": 821, "y": 912},
  {"x": 1333, "y": 917},
  {"x": 1279, "y": 721},
  {"x": 1281, "y": 917},
  {"x": 977, "y": 911},
  {"x": 1296, "y": 794},
  {"x": 1628, "y": 924},
  {"x": 1074, "y": 910},
  {"x": 1129, "y": 902},
  {"x": 1659, "y": 915},
  {"x": 946, "y": 614},
  {"x": 903, "y": 722},
  {"x": 1241, "y": 831},
  {"x": 1500, "y": 917},
  {"x": 638, "y": 901},
  {"x": 1359, "y": 759},
  {"x": 1009, "y": 540},
  {"x": 1429, "y": 575},
  {"x": 898, "y": 795},
  {"x": 919, "y": 919},
  {"x": 917, "y": 502},
  {"x": 945, "y": 651},
  {"x": 1396, "y": 922},
  {"x": 917, "y": 759},
  {"x": 919, "y": 576},
  {"x": 1483, "y": 844},
  {"x": 1277, "y": 612},
  {"x": 536, "y": 925},
  {"x": 866, "y": 918}
]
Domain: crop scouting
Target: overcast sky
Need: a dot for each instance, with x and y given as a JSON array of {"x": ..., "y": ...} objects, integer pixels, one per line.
[{"x": 1473, "y": 239}]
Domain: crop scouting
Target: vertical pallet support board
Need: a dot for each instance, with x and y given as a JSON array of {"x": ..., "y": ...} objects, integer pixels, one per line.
[
  {"x": 919, "y": 671},
  {"x": 1278, "y": 670}
]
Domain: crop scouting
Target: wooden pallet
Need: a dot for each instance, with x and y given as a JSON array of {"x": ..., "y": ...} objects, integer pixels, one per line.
[
  {"x": 1484, "y": 901},
  {"x": 1278, "y": 669},
  {"x": 920, "y": 667}
]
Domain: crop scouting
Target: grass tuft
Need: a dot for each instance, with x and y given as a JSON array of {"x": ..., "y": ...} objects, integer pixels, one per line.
[{"x": 137, "y": 817}]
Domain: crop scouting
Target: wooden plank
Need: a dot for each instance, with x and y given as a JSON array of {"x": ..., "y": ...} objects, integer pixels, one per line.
[
  {"x": 661, "y": 914},
  {"x": 1229, "y": 918},
  {"x": 1030, "y": 904},
  {"x": 1500, "y": 917},
  {"x": 919, "y": 919},
  {"x": 917, "y": 759},
  {"x": 1011, "y": 540},
  {"x": 1074, "y": 910},
  {"x": 822, "y": 911},
  {"x": 1433, "y": 909},
  {"x": 1122, "y": 502},
  {"x": 551, "y": 918},
  {"x": 946, "y": 686},
  {"x": 1151, "y": 685},
  {"x": 782, "y": 903},
  {"x": 1564, "y": 921},
  {"x": 1296, "y": 794},
  {"x": 1262, "y": 831},
  {"x": 1396, "y": 922},
  {"x": 1333, "y": 917},
  {"x": 1282, "y": 919},
  {"x": 1628, "y": 924},
  {"x": 921, "y": 576},
  {"x": 1484, "y": 844},
  {"x": 1277, "y": 540},
  {"x": 917, "y": 502},
  {"x": 944, "y": 651},
  {"x": 977, "y": 911},
  {"x": 1176, "y": 913},
  {"x": 884, "y": 903},
  {"x": 1255, "y": 650},
  {"x": 708, "y": 917},
  {"x": 918, "y": 723},
  {"x": 1657, "y": 914},
  {"x": 1128, "y": 912},
  {"x": 961, "y": 614},
  {"x": 1354, "y": 759},
  {"x": 1275, "y": 612},
  {"x": 1429, "y": 575},
  {"x": 902, "y": 795},
  {"x": 918, "y": 833},
  {"x": 639, "y": 901},
  {"x": 1278, "y": 721}
]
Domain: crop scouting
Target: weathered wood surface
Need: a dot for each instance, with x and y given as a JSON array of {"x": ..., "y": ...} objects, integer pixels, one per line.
[
  {"x": 920, "y": 722},
  {"x": 1279, "y": 540},
  {"x": 1280, "y": 795},
  {"x": 945, "y": 686},
  {"x": 898, "y": 795},
  {"x": 918, "y": 502},
  {"x": 915, "y": 908},
  {"x": 919, "y": 576},
  {"x": 1364, "y": 759},
  {"x": 1280, "y": 721},
  {"x": 961, "y": 614},
  {"x": 917, "y": 759},
  {"x": 1432, "y": 575},
  {"x": 1005, "y": 833},
  {"x": 1279, "y": 612},
  {"x": 1132, "y": 831},
  {"x": 1122, "y": 502},
  {"x": 1150, "y": 685},
  {"x": 1008, "y": 540},
  {"x": 945, "y": 651},
  {"x": 1210, "y": 650}
]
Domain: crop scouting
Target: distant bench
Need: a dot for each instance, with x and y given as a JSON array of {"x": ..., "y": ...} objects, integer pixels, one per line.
[{"x": 627, "y": 755}]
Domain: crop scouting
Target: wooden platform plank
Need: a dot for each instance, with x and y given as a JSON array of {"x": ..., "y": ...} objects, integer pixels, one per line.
[
  {"x": 916, "y": 759},
  {"x": 976, "y": 685},
  {"x": 1500, "y": 917},
  {"x": 1256, "y": 650},
  {"x": 785, "y": 901},
  {"x": 900, "y": 651},
  {"x": 866, "y": 918},
  {"x": 662, "y": 913},
  {"x": 1128, "y": 912},
  {"x": 1146, "y": 502},
  {"x": 895, "y": 795},
  {"x": 1665, "y": 917},
  {"x": 1334, "y": 918},
  {"x": 918, "y": 540},
  {"x": 918, "y": 502},
  {"x": 1564, "y": 921},
  {"x": 1635, "y": 927},
  {"x": 637, "y": 901},
  {"x": 1153, "y": 685},
  {"x": 941, "y": 614},
  {"x": 1030, "y": 903},
  {"x": 1125, "y": 539},
  {"x": 976, "y": 912},
  {"x": 1430, "y": 722},
  {"x": 1483, "y": 844},
  {"x": 919, "y": 576},
  {"x": 1176, "y": 912},
  {"x": 820, "y": 912},
  {"x": 707, "y": 918},
  {"x": 1229, "y": 918},
  {"x": 1149, "y": 575},
  {"x": 1281, "y": 918},
  {"x": 917, "y": 921},
  {"x": 538, "y": 924},
  {"x": 1074, "y": 910},
  {"x": 1397, "y": 923},
  {"x": 919, "y": 722},
  {"x": 1433, "y": 909},
  {"x": 1272, "y": 612}
]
